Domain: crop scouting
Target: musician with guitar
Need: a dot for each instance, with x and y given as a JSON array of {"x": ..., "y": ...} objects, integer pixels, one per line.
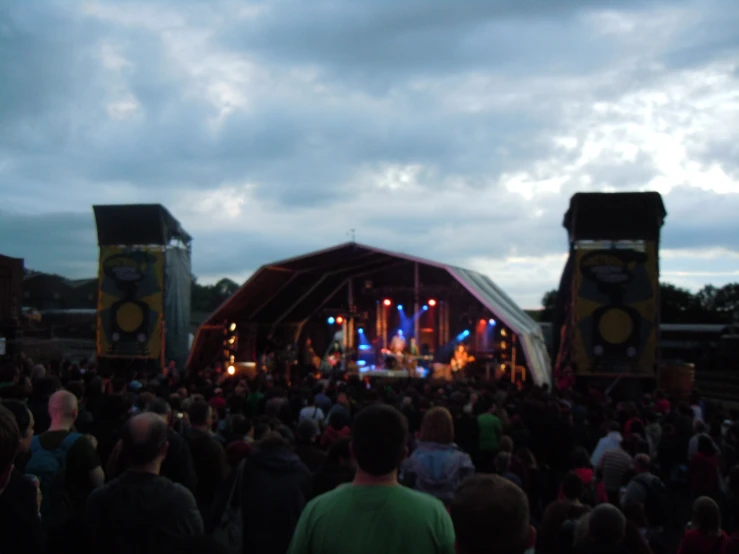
[{"x": 460, "y": 359}]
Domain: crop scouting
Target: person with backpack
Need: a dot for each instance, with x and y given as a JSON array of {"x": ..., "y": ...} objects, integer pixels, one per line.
[
  {"x": 646, "y": 489},
  {"x": 68, "y": 469}
]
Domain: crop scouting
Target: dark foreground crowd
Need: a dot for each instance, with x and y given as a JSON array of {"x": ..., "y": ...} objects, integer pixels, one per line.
[{"x": 224, "y": 464}]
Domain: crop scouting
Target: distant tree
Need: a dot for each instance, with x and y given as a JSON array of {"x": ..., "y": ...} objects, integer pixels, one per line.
[
  {"x": 679, "y": 305},
  {"x": 549, "y": 300},
  {"x": 706, "y": 298},
  {"x": 206, "y": 298},
  {"x": 708, "y": 305},
  {"x": 549, "y": 303},
  {"x": 727, "y": 302},
  {"x": 226, "y": 287}
]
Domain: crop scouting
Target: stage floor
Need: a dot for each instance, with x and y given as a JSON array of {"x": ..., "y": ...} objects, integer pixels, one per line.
[{"x": 373, "y": 371}]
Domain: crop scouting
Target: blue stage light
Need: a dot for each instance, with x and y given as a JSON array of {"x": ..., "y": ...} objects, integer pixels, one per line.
[
  {"x": 360, "y": 331},
  {"x": 491, "y": 322},
  {"x": 400, "y": 307},
  {"x": 425, "y": 308},
  {"x": 331, "y": 321},
  {"x": 400, "y": 332}
]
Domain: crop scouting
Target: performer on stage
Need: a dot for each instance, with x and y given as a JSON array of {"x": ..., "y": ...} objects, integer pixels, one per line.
[
  {"x": 311, "y": 361},
  {"x": 397, "y": 345},
  {"x": 413, "y": 349},
  {"x": 335, "y": 355},
  {"x": 461, "y": 358}
]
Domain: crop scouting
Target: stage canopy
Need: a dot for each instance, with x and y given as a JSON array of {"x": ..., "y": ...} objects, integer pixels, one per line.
[{"x": 290, "y": 292}]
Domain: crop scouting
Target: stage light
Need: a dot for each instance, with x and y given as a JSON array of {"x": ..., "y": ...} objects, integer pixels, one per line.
[
  {"x": 360, "y": 331},
  {"x": 504, "y": 345},
  {"x": 503, "y": 333},
  {"x": 231, "y": 370},
  {"x": 432, "y": 302},
  {"x": 233, "y": 327},
  {"x": 491, "y": 322},
  {"x": 331, "y": 321},
  {"x": 466, "y": 333},
  {"x": 232, "y": 340},
  {"x": 339, "y": 320},
  {"x": 387, "y": 302},
  {"x": 400, "y": 332},
  {"x": 425, "y": 308},
  {"x": 482, "y": 322},
  {"x": 400, "y": 307}
]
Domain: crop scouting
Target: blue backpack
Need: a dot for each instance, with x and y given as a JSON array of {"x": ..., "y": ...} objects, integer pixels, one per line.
[{"x": 50, "y": 467}]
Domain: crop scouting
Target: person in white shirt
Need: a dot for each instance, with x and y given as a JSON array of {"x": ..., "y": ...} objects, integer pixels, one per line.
[
  {"x": 612, "y": 441},
  {"x": 311, "y": 411},
  {"x": 699, "y": 430}
]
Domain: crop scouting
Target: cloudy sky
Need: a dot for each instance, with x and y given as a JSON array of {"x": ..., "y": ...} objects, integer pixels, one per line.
[{"x": 455, "y": 131}]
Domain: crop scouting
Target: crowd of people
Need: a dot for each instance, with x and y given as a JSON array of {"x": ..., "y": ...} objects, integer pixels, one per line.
[{"x": 219, "y": 463}]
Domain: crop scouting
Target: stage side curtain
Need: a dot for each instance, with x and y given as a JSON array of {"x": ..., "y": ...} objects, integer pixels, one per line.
[{"x": 177, "y": 289}]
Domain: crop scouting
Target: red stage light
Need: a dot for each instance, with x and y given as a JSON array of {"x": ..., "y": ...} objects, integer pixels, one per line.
[
  {"x": 432, "y": 302},
  {"x": 387, "y": 302},
  {"x": 339, "y": 320},
  {"x": 483, "y": 322}
]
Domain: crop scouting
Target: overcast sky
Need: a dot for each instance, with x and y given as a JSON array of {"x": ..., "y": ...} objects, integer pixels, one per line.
[{"x": 455, "y": 131}]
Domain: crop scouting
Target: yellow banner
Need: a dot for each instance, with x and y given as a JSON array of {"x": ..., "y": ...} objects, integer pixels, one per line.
[
  {"x": 615, "y": 296},
  {"x": 130, "y": 302}
]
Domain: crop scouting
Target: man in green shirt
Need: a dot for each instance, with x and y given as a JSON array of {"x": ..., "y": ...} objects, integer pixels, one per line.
[
  {"x": 490, "y": 429},
  {"x": 374, "y": 514}
]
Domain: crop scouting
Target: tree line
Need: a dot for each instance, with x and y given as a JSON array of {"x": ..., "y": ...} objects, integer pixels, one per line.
[
  {"x": 207, "y": 298},
  {"x": 710, "y": 305}
]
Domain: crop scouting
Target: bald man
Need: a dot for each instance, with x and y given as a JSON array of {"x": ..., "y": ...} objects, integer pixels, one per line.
[
  {"x": 140, "y": 511},
  {"x": 84, "y": 472},
  {"x": 63, "y": 458}
]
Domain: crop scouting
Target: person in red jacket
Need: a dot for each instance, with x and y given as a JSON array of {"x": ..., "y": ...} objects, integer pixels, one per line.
[
  {"x": 703, "y": 469},
  {"x": 595, "y": 492},
  {"x": 661, "y": 404},
  {"x": 336, "y": 429},
  {"x": 705, "y": 535}
]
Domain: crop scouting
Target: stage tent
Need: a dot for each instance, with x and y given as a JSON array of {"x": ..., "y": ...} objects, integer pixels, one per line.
[{"x": 290, "y": 292}]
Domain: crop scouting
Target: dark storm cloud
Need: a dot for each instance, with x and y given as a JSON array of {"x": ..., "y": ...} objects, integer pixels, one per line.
[{"x": 385, "y": 37}]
